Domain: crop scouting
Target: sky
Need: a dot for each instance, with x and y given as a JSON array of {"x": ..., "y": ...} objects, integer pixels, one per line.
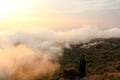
[{"x": 58, "y": 13}]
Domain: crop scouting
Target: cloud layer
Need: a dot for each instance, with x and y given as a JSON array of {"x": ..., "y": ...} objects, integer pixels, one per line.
[{"x": 36, "y": 52}]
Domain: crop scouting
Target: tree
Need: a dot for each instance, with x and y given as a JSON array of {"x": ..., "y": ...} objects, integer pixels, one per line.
[
  {"x": 70, "y": 71},
  {"x": 82, "y": 66}
]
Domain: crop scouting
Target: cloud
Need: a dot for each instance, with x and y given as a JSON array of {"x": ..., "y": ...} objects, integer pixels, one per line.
[
  {"x": 101, "y": 12},
  {"x": 40, "y": 38},
  {"x": 21, "y": 63},
  {"x": 28, "y": 53}
]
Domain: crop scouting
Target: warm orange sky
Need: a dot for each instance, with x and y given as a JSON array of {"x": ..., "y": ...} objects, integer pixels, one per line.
[{"x": 52, "y": 13}]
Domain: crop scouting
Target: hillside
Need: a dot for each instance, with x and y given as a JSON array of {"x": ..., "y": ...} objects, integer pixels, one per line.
[{"x": 102, "y": 55}]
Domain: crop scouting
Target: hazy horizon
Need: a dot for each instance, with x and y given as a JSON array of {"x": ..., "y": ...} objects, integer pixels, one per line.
[{"x": 56, "y": 13}]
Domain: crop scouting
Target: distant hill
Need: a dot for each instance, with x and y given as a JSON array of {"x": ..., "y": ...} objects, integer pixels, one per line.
[{"x": 102, "y": 55}]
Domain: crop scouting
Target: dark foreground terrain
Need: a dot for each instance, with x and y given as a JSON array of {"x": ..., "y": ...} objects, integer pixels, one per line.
[{"x": 102, "y": 58}]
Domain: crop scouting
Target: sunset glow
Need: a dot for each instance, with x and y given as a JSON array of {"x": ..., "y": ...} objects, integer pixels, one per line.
[
  {"x": 56, "y": 13},
  {"x": 9, "y": 9}
]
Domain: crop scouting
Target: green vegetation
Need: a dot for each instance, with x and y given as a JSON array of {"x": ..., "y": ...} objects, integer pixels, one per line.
[
  {"x": 100, "y": 58},
  {"x": 73, "y": 71},
  {"x": 100, "y": 61},
  {"x": 70, "y": 71}
]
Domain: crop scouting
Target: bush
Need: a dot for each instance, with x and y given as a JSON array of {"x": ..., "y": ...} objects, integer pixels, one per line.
[{"x": 70, "y": 71}]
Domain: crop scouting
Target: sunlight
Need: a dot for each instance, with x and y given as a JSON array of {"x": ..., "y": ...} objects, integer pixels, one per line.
[{"x": 9, "y": 8}]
